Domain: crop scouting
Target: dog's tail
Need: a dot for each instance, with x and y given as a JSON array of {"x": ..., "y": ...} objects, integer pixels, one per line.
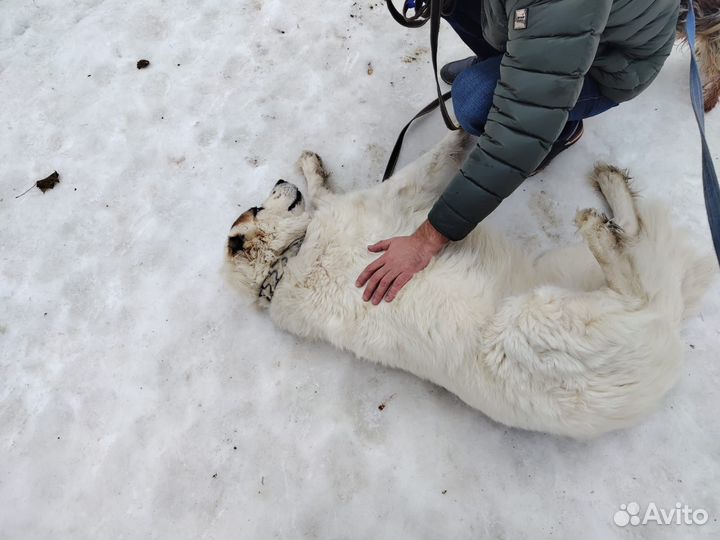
[{"x": 707, "y": 13}]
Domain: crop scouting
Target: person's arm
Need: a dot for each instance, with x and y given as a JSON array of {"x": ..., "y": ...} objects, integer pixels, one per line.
[{"x": 541, "y": 76}]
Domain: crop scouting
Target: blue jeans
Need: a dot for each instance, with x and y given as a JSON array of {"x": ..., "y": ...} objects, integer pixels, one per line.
[{"x": 473, "y": 89}]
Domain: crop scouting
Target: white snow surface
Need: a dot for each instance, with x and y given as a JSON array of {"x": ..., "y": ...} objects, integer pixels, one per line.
[{"x": 140, "y": 397}]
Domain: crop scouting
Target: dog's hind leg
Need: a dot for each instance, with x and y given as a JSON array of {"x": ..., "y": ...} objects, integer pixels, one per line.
[
  {"x": 614, "y": 184},
  {"x": 607, "y": 242},
  {"x": 316, "y": 177},
  {"x": 573, "y": 266}
]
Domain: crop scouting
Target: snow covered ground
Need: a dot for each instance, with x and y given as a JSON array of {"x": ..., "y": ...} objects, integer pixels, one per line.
[{"x": 140, "y": 398}]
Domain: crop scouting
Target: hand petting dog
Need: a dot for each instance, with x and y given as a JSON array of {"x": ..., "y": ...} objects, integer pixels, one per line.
[{"x": 404, "y": 257}]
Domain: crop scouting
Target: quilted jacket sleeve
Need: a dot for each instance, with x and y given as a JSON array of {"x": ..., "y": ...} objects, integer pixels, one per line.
[{"x": 541, "y": 77}]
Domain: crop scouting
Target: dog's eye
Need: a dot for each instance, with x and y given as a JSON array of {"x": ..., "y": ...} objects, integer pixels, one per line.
[
  {"x": 298, "y": 200},
  {"x": 255, "y": 210},
  {"x": 235, "y": 244}
]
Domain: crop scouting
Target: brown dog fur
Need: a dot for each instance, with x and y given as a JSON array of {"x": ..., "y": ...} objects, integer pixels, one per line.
[{"x": 707, "y": 13}]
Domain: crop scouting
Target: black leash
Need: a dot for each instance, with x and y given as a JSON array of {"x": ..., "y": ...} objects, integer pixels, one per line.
[
  {"x": 395, "y": 154},
  {"x": 423, "y": 11}
]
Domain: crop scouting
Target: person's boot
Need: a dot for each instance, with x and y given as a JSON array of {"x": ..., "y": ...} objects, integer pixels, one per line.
[
  {"x": 569, "y": 136},
  {"x": 450, "y": 71}
]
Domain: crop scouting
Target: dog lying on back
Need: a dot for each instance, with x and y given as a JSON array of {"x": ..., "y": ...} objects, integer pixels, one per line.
[{"x": 581, "y": 341}]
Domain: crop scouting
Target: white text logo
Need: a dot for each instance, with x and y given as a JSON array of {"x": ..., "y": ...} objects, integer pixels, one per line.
[{"x": 680, "y": 514}]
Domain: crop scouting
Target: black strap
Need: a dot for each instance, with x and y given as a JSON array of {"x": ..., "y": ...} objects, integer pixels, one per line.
[
  {"x": 419, "y": 18},
  {"x": 395, "y": 154},
  {"x": 434, "y": 30}
]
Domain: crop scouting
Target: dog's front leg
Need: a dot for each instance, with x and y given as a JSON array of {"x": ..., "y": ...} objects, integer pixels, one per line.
[{"x": 316, "y": 177}]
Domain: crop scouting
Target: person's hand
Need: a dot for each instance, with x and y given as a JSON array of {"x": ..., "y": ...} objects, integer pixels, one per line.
[{"x": 404, "y": 256}]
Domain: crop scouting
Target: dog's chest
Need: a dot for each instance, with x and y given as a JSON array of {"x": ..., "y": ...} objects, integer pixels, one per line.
[{"x": 317, "y": 288}]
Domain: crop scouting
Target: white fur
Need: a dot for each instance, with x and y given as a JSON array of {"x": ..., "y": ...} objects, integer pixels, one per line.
[{"x": 559, "y": 344}]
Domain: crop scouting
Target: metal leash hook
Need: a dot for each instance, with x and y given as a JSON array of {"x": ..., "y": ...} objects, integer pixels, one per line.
[{"x": 421, "y": 13}]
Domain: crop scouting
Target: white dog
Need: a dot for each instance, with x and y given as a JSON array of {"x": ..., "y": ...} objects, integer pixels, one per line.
[{"x": 567, "y": 343}]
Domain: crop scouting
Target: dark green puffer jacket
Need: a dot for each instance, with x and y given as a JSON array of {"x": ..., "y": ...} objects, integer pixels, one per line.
[{"x": 622, "y": 44}]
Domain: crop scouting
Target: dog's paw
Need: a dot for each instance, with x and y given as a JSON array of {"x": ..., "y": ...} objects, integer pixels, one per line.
[
  {"x": 605, "y": 178},
  {"x": 312, "y": 166},
  {"x": 598, "y": 229},
  {"x": 590, "y": 218}
]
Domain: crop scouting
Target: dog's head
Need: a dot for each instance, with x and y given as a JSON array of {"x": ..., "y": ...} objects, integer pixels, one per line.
[{"x": 262, "y": 233}]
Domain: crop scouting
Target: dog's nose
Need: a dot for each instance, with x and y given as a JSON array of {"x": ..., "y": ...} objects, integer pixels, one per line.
[{"x": 281, "y": 181}]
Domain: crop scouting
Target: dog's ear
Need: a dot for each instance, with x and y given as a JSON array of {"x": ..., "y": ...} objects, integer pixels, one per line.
[
  {"x": 248, "y": 216},
  {"x": 235, "y": 244}
]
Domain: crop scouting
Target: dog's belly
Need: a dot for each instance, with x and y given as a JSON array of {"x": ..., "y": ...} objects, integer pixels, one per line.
[
  {"x": 445, "y": 303},
  {"x": 433, "y": 328}
]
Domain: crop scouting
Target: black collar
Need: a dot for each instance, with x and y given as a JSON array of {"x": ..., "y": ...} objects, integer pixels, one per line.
[{"x": 267, "y": 287}]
